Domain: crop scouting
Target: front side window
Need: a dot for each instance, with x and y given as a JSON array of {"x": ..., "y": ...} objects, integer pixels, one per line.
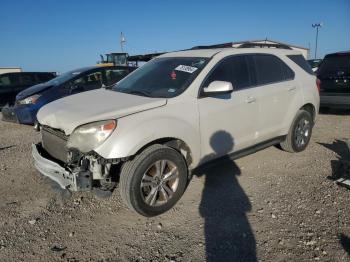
[
  {"x": 162, "y": 77},
  {"x": 91, "y": 79},
  {"x": 65, "y": 77},
  {"x": 233, "y": 69},
  {"x": 270, "y": 69},
  {"x": 115, "y": 75}
]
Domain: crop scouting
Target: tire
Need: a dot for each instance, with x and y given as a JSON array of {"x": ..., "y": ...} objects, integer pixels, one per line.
[
  {"x": 144, "y": 169},
  {"x": 297, "y": 131}
]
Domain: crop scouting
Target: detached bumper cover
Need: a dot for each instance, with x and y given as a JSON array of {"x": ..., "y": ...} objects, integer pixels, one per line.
[{"x": 74, "y": 181}]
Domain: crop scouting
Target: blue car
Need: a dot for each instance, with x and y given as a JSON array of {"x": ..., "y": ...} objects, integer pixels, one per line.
[{"x": 29, "y": 101}]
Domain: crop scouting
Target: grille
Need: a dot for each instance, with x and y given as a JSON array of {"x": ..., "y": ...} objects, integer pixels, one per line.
[{"x": 54, "y": 142}]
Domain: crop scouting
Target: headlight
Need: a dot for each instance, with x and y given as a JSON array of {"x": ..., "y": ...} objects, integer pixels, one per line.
[
  {"x": 29, "y": 100},
  {"x": 87, "y": 137}
]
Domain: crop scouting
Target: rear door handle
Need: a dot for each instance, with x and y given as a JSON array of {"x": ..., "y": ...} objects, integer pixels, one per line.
[
  {"x": 292, "y": 88},
  {"x": 250, "y": 99}
]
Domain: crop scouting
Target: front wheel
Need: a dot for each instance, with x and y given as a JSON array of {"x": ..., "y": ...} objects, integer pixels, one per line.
[
  {"x": 299, "y": 134},
  {"x": 154, "y": 180}
]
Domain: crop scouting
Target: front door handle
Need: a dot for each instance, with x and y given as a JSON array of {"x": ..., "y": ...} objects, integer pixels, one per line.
[
  {"x": 250, "y": 99},
  {"x": 292, "y": 88}
]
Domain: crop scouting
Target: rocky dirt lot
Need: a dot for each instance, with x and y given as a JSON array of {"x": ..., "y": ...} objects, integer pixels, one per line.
[{"x": 269, "y": 206}]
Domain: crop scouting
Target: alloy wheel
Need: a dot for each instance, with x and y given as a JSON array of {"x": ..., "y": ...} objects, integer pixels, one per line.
[{"x": 159, "y": 182}]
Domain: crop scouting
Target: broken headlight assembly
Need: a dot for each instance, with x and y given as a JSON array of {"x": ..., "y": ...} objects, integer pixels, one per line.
[{"x": 89, "y": 136}]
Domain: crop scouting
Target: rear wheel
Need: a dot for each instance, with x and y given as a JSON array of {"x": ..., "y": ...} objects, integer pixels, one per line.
[
  {"x": 300, "y": 132},
  {"x": 154, "y": 180}
]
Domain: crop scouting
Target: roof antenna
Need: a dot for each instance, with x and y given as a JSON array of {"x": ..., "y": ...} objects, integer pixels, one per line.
[{"x": 122, "y": 41}]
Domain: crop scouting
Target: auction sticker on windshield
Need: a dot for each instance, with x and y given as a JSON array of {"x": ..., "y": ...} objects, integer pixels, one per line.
[{"x": 187, "y": 69}]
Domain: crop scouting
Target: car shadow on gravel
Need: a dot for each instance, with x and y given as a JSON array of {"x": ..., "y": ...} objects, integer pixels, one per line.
[
  {"x": 5, "y": 147},
  {"x": 341, "y": 148},
  {"x": 345, "y": 242},
  {"x": 224, "y": 204}
]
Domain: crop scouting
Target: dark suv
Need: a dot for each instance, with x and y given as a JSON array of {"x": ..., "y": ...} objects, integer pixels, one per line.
[
  {"x": 334, "y": 74},
  {"x": 13, "y": 83}
]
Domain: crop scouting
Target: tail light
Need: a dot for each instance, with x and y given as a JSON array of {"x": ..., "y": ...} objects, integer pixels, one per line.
[{"x": 318, "y": 84}]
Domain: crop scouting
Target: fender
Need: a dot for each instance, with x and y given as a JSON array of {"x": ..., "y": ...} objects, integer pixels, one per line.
[{"x": 136, "y": 131}]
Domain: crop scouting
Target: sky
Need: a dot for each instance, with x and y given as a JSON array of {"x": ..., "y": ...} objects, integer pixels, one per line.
[{"x": 52, "y": 35}]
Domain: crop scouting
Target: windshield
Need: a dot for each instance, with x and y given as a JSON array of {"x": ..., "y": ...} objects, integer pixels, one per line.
[
  {"x": 163, "y": 77},
  {"x": 63, "y": 78},
  {"x": 333, "y": 64}
]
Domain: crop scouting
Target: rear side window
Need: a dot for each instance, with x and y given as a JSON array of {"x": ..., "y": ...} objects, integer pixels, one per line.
[
  {"x": 300, "y": 61},
  {"x": 233, "y": 69},
  {"x": 270, "y": 69}
]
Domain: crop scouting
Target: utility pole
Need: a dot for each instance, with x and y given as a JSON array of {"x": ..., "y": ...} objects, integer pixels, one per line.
[
  {"x": 122, "y": 41},
  {"x": 317, "y": 26}
]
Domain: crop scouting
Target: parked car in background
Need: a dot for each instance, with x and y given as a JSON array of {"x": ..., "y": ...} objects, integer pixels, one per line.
[
  {"x": 29, "y": 101},
  {"x": 314, "y": 63},
  {"x": 334, "y": 74},
  {"x": 13, "y": 83},
  {"x": 174, "y": 113}
]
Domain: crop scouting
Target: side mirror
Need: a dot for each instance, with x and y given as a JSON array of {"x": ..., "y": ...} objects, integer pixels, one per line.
[{"x": 218, "y": 87}]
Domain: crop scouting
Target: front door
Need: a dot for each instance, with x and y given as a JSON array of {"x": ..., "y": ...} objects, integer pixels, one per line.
[{"x": 228, "y": 122}]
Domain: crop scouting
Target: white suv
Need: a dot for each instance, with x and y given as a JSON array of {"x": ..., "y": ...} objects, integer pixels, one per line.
[{"x": 173, "y": 114}]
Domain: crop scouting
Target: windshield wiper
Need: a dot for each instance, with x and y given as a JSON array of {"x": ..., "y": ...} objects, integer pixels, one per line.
[{"x": 138, "y": 92}]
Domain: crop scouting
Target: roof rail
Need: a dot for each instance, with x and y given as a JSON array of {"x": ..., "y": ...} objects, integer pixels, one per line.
[
  {"x": 263, "y": 45},
  {"x": 243, "y": 45},
  {"x": 226, "y": 45}
]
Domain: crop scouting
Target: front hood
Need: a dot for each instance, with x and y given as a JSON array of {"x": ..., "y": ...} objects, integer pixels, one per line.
[
  {"x": 32, "y": 90},
  {"x": 100, "y": 104}
]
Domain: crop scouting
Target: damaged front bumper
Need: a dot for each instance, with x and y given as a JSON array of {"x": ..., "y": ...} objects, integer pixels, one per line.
[{"x": 73, "y": 180}]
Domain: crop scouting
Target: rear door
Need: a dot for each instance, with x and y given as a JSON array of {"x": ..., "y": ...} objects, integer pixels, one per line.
[{"x": 277, "y": 90}]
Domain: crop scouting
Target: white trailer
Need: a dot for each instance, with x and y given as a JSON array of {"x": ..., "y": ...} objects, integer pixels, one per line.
[{"x": 4, "y": 70}]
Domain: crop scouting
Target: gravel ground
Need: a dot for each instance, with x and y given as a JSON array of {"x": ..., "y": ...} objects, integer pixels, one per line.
[{"x": 269, "y": 206}]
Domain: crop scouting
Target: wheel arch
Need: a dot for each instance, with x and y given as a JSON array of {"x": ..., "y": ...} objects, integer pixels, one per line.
[
  {"x": 174, "y": 143},
  {"x": 311, "y": 109}
]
